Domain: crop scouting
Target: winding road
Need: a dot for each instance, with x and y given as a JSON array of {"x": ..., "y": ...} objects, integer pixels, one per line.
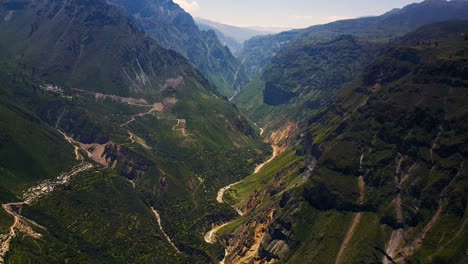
[{"x": 23, "y": 225}]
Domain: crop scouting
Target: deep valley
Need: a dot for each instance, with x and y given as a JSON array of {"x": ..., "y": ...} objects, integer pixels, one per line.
[{"x": 129, "y": 133}]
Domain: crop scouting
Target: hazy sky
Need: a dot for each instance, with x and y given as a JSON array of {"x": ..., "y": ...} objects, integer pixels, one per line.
[{"x": 286, "y": 13}]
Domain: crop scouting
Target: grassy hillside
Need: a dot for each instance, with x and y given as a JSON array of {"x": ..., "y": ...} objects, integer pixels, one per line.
[
  {"x": 305, "y": 77},
  {"x": 31, "y": 151},
  {"x": 156, "y": 132},
  {"x": 383, "y": 171}
]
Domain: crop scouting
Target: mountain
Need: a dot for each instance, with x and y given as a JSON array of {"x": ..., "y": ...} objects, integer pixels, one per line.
[
  {"x": 305, "y": 76},
  {"x": 306, "y": 73},
  {"x": 175, "y": 29},
  {"x": 258, "y": 51},
  {"x": 111, "y": 146},
  {"x": 234, "y": 46},
  {"x": 75, "y": 57},
  {"x": 376, "y": 176},
  {"x": 240, "y": 34},
  {"x": 114, "y": 149}
]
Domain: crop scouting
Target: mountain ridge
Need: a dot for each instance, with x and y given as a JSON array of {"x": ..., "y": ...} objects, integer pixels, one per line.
[
  {"x": 175, "y": 29},
  {"x": 258, "y": 51},
  {"x": 240, "y": 34},
  {"x": 230, "y": 42}
]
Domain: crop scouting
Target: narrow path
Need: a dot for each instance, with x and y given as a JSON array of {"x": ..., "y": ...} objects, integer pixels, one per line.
[
  {"x": 132, "y": 119},
  {"x": 75, "y": 145},
  {"x": 23, "y": 225},
  {"x": 158, "y": 107},
  {"x": 137, "y": 140},
  {"x": 20, "y": 224},
  {"x": 182, "y": 123},
  {"x": 158, "y": 218}
]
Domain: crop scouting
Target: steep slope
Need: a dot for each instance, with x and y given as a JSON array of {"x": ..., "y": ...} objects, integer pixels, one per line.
[
  {"x": 234, "y": 46},
  {"x": 38, "y": 163},
  {"x": 305, "y": 76},
  {"x": 379, "y": 176},
  {"x": 111, "y": 145},
  {"x": 79, "y": 43},
  {"x": 231, "y": 36},
  {"x": 258, "y": 51},
  {"x": 175, "y": 29}
]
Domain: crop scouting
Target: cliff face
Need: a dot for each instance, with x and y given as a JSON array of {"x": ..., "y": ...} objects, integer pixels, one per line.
[
  {"x": 306, "y": 76},
  {"x": 302, "y": 71},
  {"x": 175, "y": 29}
]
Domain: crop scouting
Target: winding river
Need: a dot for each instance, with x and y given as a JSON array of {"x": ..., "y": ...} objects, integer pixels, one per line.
[{"x": 210, "y": 236}]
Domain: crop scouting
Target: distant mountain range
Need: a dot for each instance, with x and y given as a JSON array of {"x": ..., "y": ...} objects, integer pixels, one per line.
[
  {"x": 231, "y": 36},
  {"x": 258, "y": 51},
  {"x": 234, "y": 45},
  {"x": 240, "y": 34},
  {"x": 303, "y": 69}
]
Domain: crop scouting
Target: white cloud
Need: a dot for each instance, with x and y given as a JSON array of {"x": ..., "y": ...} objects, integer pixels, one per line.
[
  {"x": 187, "y": 5},
  {"x": 302, "y": 17}
]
